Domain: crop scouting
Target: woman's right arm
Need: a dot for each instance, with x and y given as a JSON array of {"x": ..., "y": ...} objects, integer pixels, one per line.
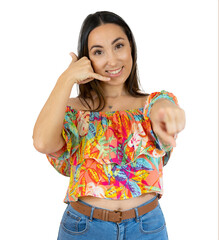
[{"x": 47, "y": 133}]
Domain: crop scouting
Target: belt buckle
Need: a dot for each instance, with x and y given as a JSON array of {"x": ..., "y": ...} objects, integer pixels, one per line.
[{"x": 120, "y": 216}]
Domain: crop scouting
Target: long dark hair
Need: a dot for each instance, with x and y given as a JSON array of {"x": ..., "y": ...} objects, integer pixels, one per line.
[{"x": 132, "y": 83}]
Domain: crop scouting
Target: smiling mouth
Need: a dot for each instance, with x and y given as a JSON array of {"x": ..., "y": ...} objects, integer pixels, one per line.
[{"x": 115, "y": 72}]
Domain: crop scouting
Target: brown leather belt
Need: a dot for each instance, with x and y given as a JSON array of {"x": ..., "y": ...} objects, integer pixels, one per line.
[{"x": 113, "y": 216}]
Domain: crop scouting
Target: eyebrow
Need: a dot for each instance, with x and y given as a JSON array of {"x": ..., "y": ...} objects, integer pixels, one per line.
[{"x": 114, "y": 41}]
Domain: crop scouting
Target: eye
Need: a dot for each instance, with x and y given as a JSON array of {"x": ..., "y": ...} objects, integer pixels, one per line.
[
  {"x": 98, "y": 52},
  {"x": 119, "y": 45}
]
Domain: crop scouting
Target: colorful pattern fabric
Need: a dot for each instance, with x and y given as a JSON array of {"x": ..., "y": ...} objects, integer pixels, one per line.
[{"x": 112, "y": 155}]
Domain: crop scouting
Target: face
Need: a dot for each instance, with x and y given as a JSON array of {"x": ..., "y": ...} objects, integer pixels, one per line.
[{"x": 110, "y": 53}]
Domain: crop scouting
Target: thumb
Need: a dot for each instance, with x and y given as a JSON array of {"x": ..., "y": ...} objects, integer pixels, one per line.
[{"x": 74, "y": 56}]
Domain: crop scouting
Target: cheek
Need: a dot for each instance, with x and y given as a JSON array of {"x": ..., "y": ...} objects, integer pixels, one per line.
[
  {"x": 97, "y": 65},
  {"x": 127, "y": 57}
]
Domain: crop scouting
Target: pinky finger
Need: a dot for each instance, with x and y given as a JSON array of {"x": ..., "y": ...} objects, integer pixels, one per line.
[
  {"x": 85, "y": 81},
  {"x": 100, "y": 77}
]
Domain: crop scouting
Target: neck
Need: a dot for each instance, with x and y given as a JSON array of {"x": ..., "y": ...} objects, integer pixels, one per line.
[{"x": 114, "y": 91}]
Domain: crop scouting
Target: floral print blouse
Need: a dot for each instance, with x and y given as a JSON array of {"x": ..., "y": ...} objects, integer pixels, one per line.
[{"x": 112, "y": 155}]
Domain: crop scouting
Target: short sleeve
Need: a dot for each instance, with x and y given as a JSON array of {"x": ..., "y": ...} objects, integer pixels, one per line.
[
  {"x": 152, "y": 98},
  {"x": 60, "y": 160}
]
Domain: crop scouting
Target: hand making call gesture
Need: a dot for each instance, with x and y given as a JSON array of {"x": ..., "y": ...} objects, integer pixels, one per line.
[
  {"x": 47, "y": 134},
  {"x": 81, "y": 71}
]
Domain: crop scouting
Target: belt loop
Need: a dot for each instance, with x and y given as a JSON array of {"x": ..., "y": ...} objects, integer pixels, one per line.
[
  {"x": 91, "y": 214},
  {"x": 136, "y": 213}
]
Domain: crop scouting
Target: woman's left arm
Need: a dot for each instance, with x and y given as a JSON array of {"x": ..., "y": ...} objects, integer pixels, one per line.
[{"x": 167, "y": 121}]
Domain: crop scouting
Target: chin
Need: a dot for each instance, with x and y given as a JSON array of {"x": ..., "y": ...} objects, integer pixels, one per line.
[{"x": 115, "y": 82}]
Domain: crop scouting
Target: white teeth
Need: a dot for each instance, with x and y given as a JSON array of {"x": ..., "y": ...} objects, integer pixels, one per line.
[{"x": 116, "y": 71}]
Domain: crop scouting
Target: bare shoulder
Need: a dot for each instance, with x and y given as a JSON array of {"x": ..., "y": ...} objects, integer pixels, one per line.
[
  {"x": 75, "y": 103},
  {"x": 143, "y": 100}
]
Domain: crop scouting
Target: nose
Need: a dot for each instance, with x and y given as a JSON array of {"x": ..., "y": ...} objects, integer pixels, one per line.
[{"x": 111, "y": 59}]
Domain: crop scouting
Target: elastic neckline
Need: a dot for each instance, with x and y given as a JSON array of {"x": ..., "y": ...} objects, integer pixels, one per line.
[{"x": 110, "y": 112}]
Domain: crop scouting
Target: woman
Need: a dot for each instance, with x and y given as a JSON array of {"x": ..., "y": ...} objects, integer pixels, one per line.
[{"x": 115, "y": 140}]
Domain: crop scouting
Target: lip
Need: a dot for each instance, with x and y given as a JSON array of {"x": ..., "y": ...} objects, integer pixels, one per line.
[{"x": 115, "y": 74}]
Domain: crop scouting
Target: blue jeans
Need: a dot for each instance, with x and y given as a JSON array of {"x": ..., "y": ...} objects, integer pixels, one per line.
[{"x": 75, "y": 225}]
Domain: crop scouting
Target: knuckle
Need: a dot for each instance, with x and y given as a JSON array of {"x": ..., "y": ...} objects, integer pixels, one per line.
[
  {"x": 86, "y": 60},
  {"x": 169, "y": 111},
  {"x": 83, "y": 60},
  {"x": 171, "y": 129},
  {"x": 179, "y": 128},
  {"x": 183, "y": 113}
]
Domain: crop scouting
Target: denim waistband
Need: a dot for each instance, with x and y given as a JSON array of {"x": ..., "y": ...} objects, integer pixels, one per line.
[{"x": 151, "y": 200}]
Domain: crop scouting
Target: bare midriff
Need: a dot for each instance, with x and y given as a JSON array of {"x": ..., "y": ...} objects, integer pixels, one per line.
[{"x": 120, "y": 205}]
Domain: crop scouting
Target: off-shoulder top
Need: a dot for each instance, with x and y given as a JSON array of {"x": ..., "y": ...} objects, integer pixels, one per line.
[{"x": 112, "y": 155}]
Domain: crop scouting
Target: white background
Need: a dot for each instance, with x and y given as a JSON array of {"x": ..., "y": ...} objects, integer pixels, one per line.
[{"x": 177, "y": 52}]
